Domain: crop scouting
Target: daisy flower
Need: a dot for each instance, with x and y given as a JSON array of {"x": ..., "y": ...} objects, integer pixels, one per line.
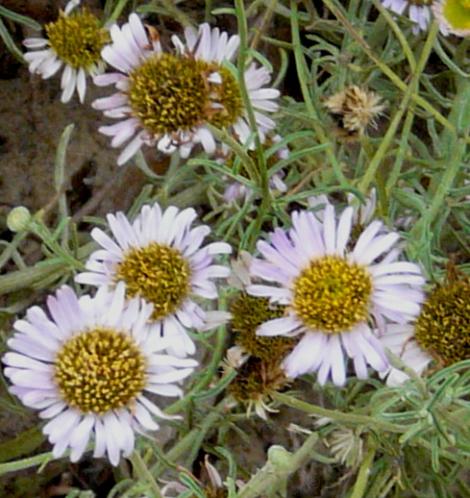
[
  {"x": 74, "y": 42},
  {"x": 441, "y": 332},
  {"x": 419, "y": 11},
  {"x": 161, "y": 259},
  {"x": 90, "y": 367},
  {"x": 335, "y": 291},
  {"x": 453, "y": 16},
  {"x": 167, "y": 99}
]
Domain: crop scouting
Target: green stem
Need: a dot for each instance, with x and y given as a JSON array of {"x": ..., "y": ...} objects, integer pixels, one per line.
[
  {"x": 348, "y": 418},
  {"x": 25, "y": 463},
  {"x": 143, "y": 473},
  {"x": 370, "y": 173},
  {"x": 242, "y": 60},
  {"x": 363, "y": 475},
  {"x": 279, "y": 466},
  {"x": 300, "y": 65}
]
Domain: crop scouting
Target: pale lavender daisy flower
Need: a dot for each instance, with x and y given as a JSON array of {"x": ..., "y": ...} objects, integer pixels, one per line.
[
  {"x": 74, "y": 42},
  {"x": 336, "y": 292},
  {"x": 419, "y": 11},
  {"x": 91, "y": 368},
  {"x": 162, "y": 260},
  {"x": 167, "y": 99}
]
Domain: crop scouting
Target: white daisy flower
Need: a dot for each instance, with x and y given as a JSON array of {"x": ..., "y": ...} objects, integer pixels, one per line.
[
  {"x": 168, "y": 98},
  {"x": 419, "y": 11},
  {"x": 239, "y": 191},
  {"x": 90, "y": 367},
  {"x": 74, "y": 41},
  {"x": 400, "y": 340},
  {"x": 335, "y": 292},
  {"x": 161, "y": 259},
  {"x": 453, "y": 16}
]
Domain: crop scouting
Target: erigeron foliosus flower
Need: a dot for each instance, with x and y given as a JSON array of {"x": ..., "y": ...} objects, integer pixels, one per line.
[
  {"x": 91, "y": 368},
  {"x": 441, "y": 332},
  {"x": 167, "y": 98},
  {"x": 453, "y": 16},
  {"x": 74, "y": 41},
  {"x": 335, "y": 292},
  {"x": 419, "y": 11},
  {"x": 161, "y": 259}
]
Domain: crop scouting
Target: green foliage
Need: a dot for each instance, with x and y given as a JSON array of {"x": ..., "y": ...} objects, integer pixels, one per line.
[{"x": 416, "y": 437}]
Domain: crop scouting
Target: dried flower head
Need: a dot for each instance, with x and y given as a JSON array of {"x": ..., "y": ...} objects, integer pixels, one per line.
[
  {"x": 355, "y": 109},
  {"x": 255, "y": 382}
]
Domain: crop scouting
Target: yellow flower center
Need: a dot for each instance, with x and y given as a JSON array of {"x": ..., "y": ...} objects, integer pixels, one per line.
[
  {"x": 78, "y": 38},
  {"x": 443, "y": 327},
  {"x": 457, "y": 13},
  {"x": 171, "y": 93},
  {"x": 332, "y": 295},
  {"x": 157, "y": 273},
  {"x": 100, "y": 370}
]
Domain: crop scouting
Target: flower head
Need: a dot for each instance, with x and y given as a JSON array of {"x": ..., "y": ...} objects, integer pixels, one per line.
[
  {"x": 419, "y": 11},
  {"x": 441, "y": 331},
  {"x": 75, "y": 41},
  {"x": 453, "y": 16},
  {"x": 255, "y": 382},
  {"x": 161, "y": 260},
  {"x": 334, "y": 291},
  {"x": 89, "y": 366},
  {"x": 169, "y": 98},
  {"x": 354, "y": 109}
]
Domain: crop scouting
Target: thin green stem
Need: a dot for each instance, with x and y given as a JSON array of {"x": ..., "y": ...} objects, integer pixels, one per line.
[
  {"x": 279, "y": 466},
  {"x": 363, "y": 475},
  {"x": 303, "y": 77},
  {"x": 143, "y": 473},
  {"x": 348, "y": 418},
  {"x": 242, "y": 61},
  {"x": 370, "y": 173}
]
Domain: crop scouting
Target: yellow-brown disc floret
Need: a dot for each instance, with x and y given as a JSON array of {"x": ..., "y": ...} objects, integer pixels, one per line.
[
  {"x": 100, "y": 370},
  {"x": 248, "y": 313},
  {"x": 78, "y": 38},
  {"x": 443, "y": 327},
  {"x": 172, "y": 93},
  {"x": 332, "y": 295},
  {"x": 157, "y": 273},
  {"x": 227, "y": 93}
]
